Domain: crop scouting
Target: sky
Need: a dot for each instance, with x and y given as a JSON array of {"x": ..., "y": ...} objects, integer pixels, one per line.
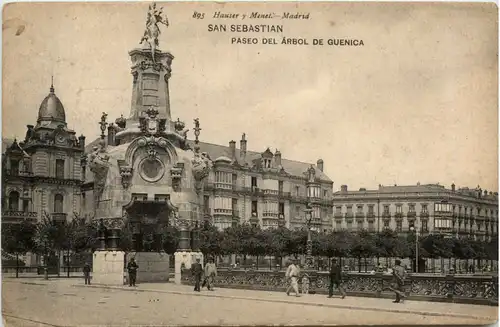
[{"x": 418, "y": 102}]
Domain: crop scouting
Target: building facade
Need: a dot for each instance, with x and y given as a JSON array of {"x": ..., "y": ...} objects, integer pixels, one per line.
[
  {"x": 428, "y": 208},
  {"x": 41, "y": 175},
  {"x": 265, "y": 189}
]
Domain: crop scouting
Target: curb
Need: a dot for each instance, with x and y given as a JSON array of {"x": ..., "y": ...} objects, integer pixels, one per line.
[{"x": 338, "y": 306}]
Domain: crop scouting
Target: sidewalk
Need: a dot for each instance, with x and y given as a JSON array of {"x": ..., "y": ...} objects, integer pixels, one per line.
[
  {"x": 436, "y": 309},
  {"x": 352, "y": 303}
]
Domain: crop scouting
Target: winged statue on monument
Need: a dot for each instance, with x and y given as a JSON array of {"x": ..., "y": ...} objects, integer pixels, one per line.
[{"x": 152, "y": 32}]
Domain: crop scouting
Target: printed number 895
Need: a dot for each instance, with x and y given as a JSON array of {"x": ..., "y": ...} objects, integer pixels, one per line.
[{"x": 198, "y": 15}]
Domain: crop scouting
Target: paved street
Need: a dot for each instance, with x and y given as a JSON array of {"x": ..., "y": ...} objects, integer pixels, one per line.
[{"x": 67, "y": 302}]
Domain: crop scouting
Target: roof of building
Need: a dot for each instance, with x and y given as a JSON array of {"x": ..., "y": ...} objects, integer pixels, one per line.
[
  {"x": 52, "y": 108},
  {"x": 295, "y": 168}
]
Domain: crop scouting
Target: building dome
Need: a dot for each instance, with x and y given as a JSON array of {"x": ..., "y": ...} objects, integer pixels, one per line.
[{"x": 52, "y": 108}]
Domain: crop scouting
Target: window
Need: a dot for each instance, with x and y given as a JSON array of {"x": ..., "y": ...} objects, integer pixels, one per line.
[
  {"x": 386, "y": 223},
  {"x": 254, "y": 208},
  {"x": 297, "y": 211},
  {"x": 442, "y": 207},
  {"x": 360, "y": 225},
  {"x": 14, "y": 167},
  {"x": 297, "y": 190},
  {"x": 270, "y": 208},
  {"x": 206, "y": 203},
  {"x": 442, "y": 223},
  {"x": 223, "y": 205},
  {"x": 411, "y": 225},
  {"x": 359, "y": 209},
  {"x": 234, "y": 179},
  {"x": 14, "y": 201},
  {"x": 371, "y": 209},
  {"x": 282, "y": 208},
  {"x": 338, "y": 209},
  {"x": 60, "y": 168},
  {"x": 349, "y": 224},
  {"x": 338, "y": 224},
  {"x": 280, "y": 186},
  {"x": 314, "y": 192},
  {"x": 424, "y": 208},
  {"x": 371, "y": 226},
  {"x": 325, "y": 193},
  {"x": 139, "y": 196},
  {"x": 58, "y": 203},
  {"x": 316, "y": 213},
  {"x": 386, "y": 209},
  {"x": 479, "y": 227},
  {"x": 399, "y": 208},
  {"x": 399, "y": 226},
  {"x": 254, "y": 182},
  {"x": 424, "y": 226},
  {"x": 267, "y": 163},
  {"x": 26, "y": 205},
  {"x": 223, "y": 180},
  {"x": 411, "y": 208},
  {"x": 349, "y": 209}
]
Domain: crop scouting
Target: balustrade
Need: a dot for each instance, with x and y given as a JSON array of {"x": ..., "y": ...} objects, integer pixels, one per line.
[{"x": 449, "y": 288}]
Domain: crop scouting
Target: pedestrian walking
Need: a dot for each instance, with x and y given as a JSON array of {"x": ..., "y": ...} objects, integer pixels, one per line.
[
  {"x": 132, "y": 272},
  {"x": 86, "y": 273},
  {"x": 305, "y": 284},
  {"x": 210, "y": 274},
  {"x": 197, "y": 272},
  {"x": 399, "y": 276},
  {"x": 292, "y": 274},
  {"x": 336, "y": 279}
]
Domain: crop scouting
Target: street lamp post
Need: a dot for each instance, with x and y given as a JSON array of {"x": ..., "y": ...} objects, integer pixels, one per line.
[
  {"x": 308, "y": 218},
  {"x": 413, "y": 228}
]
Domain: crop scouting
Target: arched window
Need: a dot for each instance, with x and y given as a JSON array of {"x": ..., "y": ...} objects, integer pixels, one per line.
[
  {"x": 58, "y": 203},
  {"x": 14, "y": 201}
]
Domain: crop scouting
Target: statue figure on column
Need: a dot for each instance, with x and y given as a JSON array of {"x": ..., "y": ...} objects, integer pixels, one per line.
[{"x": 152, "y": 32}]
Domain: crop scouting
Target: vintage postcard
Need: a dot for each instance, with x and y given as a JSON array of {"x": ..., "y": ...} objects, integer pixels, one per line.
[{"x": 249, "y": 163}]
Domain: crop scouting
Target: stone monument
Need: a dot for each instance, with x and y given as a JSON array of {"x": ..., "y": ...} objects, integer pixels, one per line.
[{"x": 147, "y": 177}]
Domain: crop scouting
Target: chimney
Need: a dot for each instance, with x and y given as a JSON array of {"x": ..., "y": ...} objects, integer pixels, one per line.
[
  {"x": 81, "y": 141},
  {"x": 343, "y": 188},
  {"x": 453, "y": 187},
  {"x": 232, "y": 149},
  {"x": 319, "y": 163},
  {"x": 243, "y": 148},
  {"x": 111, "y": 134},
  {"x": 485, "y": 193},
  {"x": 277, "y": 158}
]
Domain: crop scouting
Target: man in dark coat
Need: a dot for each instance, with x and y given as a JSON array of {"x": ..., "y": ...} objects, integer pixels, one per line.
[
  {"x": 335, "y": 279},
  {"x": 398, "y": 281},
  {"x": 197, "y": 272},
  {"x": 132, "y": 272},
  {"x": 86, "y": 273}
]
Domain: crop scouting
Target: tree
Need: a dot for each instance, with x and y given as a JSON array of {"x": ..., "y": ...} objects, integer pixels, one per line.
[
  {"x": 210, "y": 240},
  {"x": 363, "y": 246},
  {"x": 48, "y": 238},
  {"x": 18, "y": 239},
  {"x": 79, "y": 236}
]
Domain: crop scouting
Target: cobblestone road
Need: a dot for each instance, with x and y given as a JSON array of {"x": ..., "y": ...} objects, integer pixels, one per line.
[{"x": 67, "y": 303}]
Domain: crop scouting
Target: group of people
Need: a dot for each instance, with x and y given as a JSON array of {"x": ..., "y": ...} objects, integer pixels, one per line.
[
  {"x": 208, "y": 274},
  {"x": 293, "y": 273}
]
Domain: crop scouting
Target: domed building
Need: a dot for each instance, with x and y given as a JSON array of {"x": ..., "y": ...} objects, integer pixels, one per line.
[{"x": 42, "y": 174}]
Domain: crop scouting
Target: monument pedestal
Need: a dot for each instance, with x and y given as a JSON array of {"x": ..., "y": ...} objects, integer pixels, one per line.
[
  {"x": 186, "y": 258},
  {"x": 108, "y": 267},
  {"x": 153, "y": 266}
]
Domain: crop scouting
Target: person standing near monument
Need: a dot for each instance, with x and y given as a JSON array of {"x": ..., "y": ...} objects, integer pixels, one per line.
[
  {"x": 210, "y": 274},
  {"x": 132, "y": 272},
  {"x": 86, "y": 273},
  {"x": 336, "y": 279},
  {"x": 197, "y": 272},
  {"x": 292, "y": 273}
]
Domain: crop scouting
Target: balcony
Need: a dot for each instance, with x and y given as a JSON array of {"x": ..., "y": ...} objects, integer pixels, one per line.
[
  {"x": 223, "y": 212},
  {"x": 411, "y": 214},
  {"x": 398, "y": 215},
  {"x": 18, "y": 216},
  {"x": 59, "y": 216},
  {"x": 225, "y": 186},
  {"x": 386, "y": 215},
  {"x": 338, "y": 215},
  {"x": 270, "y": 192},
  {"x": 236, "y": 213},
  {"x": 424, "y": 215},
  {"x": 349, "y": 215},
  {"x": 360, "y": 215},
  {"x": 282, "y": 194},
  {"x": 370, "y": 215},
  {"x": 270, "y": 215}
]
